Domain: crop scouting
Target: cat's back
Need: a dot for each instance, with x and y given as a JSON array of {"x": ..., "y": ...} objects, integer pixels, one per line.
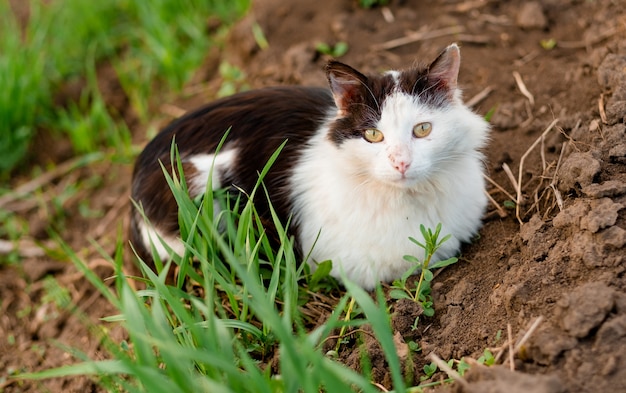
[
  {"x": 256, "y": 122},
  {"x": 254, "y": 117}
]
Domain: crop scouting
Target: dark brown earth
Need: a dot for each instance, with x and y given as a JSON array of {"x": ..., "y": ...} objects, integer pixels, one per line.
[{"x": 564, "y": 264}]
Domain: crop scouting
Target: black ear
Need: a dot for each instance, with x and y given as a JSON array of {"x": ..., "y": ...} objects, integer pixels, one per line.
[
  {"x": 446, "y": 66},
  {"x": 346, "y": 83}
]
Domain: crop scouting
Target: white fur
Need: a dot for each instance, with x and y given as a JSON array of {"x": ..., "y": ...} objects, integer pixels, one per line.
[
  {"x": 364, "y": 209},
  {"x": 151, "y": 235},
  {"x": 205, "y": 164}
]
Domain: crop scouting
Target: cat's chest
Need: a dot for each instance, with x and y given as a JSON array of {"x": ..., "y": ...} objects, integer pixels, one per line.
[
  {"x": 346, "y": 210},
  {"x": 363, "y": 225}
]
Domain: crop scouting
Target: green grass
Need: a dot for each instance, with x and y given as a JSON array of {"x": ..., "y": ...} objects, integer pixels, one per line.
[
  {"x": 154, "y": 46},
  {"x": 24, "y": 95},
  {"x": 249, "y": 310}
]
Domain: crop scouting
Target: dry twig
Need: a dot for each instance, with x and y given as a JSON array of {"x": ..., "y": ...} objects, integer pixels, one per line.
[
  {"x": 529, "y": 333},
  {"x": 379, "y": 386},
  {"x": 500, "y": 188},
  {"x": 521, "y": 168},
  {"x": 468, "y": 5},
  {"x": 508, "y": 345},
  {"x": 499, "y": 351},
  {"x": 418, "y": 36},
  {"x": 557, "y": 193},
  {"x": 474, "y": 39},
  {"x": 501, "y": 212},
  {"x": 509, "y": 332},
  {"x": 526, "y": 59},
  {"x": 388, "y": 15},
  {"x": 509, "y": 174},
  {"x": 522, "y": 88},
  {"x": 601, "y": 109},
  {"x": 49, "y": 176},
  {"x": 172, "y": 110},
  {"x": 479, "y": 97},
  {"x": 448, "y": 370}
]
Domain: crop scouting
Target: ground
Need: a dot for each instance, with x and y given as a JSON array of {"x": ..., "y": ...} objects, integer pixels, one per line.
[{"x": 554, "y": 72}]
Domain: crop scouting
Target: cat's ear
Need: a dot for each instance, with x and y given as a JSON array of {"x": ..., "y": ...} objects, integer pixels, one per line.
[
  {"x": 446, "y": 66},
  {"x": 346, "y": 84}
]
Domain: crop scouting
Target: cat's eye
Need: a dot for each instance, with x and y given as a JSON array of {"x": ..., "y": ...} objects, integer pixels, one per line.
[
  {"x": 421, "y": 130},
  {"x": 373, "y": 135}
]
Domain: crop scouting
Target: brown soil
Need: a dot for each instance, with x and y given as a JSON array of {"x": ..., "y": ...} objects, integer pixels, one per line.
[{"x": 564, "y": 264}]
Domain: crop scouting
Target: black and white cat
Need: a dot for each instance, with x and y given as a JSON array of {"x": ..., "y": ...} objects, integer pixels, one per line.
[{"x": 364, "y": 165}]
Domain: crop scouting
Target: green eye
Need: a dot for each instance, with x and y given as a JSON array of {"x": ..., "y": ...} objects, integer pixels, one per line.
[
  {"x": 373, "y": 135},
  {"x": 422, "y": 129}
]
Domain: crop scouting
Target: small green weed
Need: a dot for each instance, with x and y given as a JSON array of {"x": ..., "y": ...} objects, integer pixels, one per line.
[
  {"x": 320, "y": 281},
  {"x": 421, "y": 293},
  {"x": 548, "y": 43},
  {"x": 337, "y": 50},
  {"x": 13, "y": 228},
  {"x": 487, "y": 358},
  {"x": 372, "y": 3},
  {"x": 509, "y": 204},
  {"x": 490, "y": 114},
  {"x": 233, "y": 80},
  {"x": 259, "y": 36},
  {"x": 429, "y": 370}
]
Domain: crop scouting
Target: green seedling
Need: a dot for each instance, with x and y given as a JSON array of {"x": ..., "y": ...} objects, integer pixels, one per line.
[
  {"x": 490, "y": 114},
  {"x": 509, "y": 204},
  {"x": 487, "y": 358},
  {"x": 372, "y": 3},
  {"x": 12, "y": 229},
  {"x": 233, "y": 80},
  {"x": 498, "y": 337},
  {"x": 414, "y": 346},
  {"x": 421, "y": 293},
  {"x": 429, "y": 370},
  {"x": 259, "y": 36},
  {"x": 548, "y": 43},
  {"x": 320, "y": 281},
  {"x": 337, "y": 50},
  {"x": 462, "y": 366}
]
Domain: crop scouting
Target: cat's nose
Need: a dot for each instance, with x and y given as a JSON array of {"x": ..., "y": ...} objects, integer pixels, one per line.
[{"x": 401, "y": 166}]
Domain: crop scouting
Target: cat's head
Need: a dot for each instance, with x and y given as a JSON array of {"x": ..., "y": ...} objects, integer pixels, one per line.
[{"x": 403, "y": 127}]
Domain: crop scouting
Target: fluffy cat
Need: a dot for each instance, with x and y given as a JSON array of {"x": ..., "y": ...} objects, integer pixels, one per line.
[{"x": 364, "y": 165}]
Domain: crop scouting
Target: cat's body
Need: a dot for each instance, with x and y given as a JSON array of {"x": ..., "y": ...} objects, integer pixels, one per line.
[{"x": 364, "y": 165}]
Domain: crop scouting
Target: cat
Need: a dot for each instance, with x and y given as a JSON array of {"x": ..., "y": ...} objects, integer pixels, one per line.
[{"x": 365, "y": 163}]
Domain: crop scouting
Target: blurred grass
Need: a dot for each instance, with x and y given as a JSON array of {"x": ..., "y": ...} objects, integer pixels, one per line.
[{"x": 153, "y": 46}]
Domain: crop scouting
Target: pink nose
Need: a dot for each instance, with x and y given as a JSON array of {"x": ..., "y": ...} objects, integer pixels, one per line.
[{"x": 401, "y": 166}]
